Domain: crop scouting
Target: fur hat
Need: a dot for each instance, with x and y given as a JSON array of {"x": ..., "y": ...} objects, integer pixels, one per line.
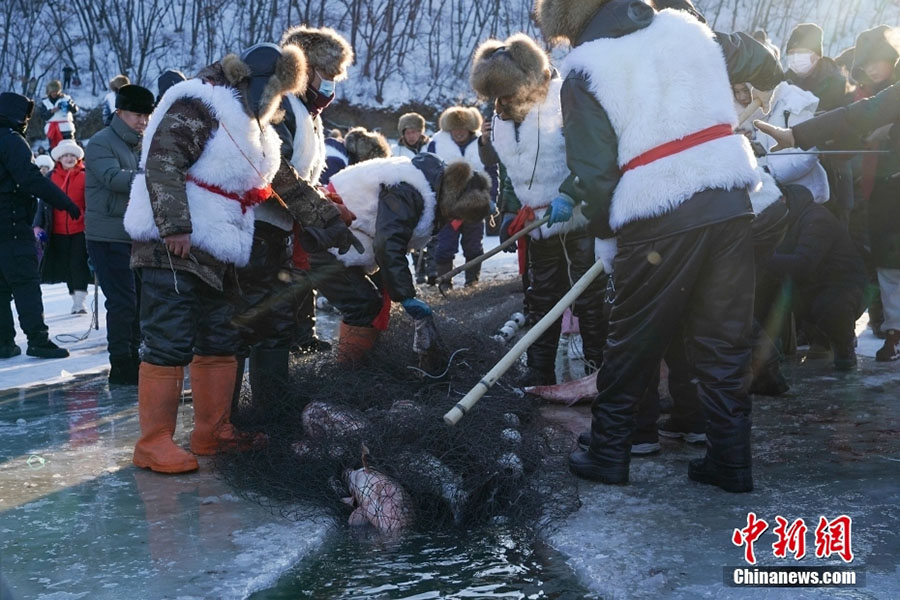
[
  {"x": 517, "y": 69},
  {"x": 845, "y": 58},
  {"x": 67, "y": 147},
  {"x": 807, "y": 36},
  {"x": 135, "y": 98},
  {"x": 463, "y": 193},
  {"x": 326, "y": 50},
  {"x": 118, "y": 81},
  {"x": 878, "y": 43},
  {"x": 461, "y": 117},
  {"x": 564, "y": 20},
  {"x": 365, "y": 145},
  {"x": 54, "y": 86},
  {"x": 288, "y": 76},
  {"x": 411, "y": 121},
  {"x": 43, "y": 160}
]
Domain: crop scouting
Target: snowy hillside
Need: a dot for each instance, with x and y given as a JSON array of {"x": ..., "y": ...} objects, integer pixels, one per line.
[{"x": 407, "y": 50}]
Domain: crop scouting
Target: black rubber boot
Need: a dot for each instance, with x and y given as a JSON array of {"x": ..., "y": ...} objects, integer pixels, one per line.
[
  {"x": 587, "y": 465},
  {"x": 738, "y": 480},
  {"x": 122, "y": 371},
  {"x": 44, "y": 348},
  {"x": 9, "y": 349}
]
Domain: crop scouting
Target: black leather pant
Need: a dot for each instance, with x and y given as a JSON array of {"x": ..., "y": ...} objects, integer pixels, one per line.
[
  {"x": 699, "y": 284},
  {"x": 349, "y": 289},
  {"x": 269, "y": 287},
  {"x": 551, "y": 277}
]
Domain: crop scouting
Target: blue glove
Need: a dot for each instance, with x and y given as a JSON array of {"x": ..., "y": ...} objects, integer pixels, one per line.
[
  {"x": 416, "y": 308},
  {"x": 64, "y": 106},
  {"x": 560, "y": 210}
]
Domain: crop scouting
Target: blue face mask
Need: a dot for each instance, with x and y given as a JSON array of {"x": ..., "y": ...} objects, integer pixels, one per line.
[{"x": 326, "y": 88}]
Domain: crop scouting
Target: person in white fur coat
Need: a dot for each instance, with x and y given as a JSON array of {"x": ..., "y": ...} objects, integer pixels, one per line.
[
  {"x": 659, "y": 163},
  {"x": 397, "y": 203},
  {"x": 192, "y": 223},
  {"x": 526, "y": 135}
]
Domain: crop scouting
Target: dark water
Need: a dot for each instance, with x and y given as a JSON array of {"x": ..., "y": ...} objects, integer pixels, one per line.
[{"x": 489, "y": 563}]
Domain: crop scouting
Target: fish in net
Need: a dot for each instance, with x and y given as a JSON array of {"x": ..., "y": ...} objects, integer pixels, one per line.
[{"x": 368, "y": 445}]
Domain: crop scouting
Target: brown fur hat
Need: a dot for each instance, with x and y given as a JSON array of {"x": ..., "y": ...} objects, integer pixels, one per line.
[
  {"x": 290, "y": 77},
  {"x": 461, "y": 117},
  {"x": 326, "y": 50},
  {"x": 411, "y": 121},
  {"x": 564, "y": 20},
  {"x": 118, "y": 81},
  {"x": 517, "y": 69},
  {"x": 365, "y": 145},
  {"x": 463, "y": 193}
]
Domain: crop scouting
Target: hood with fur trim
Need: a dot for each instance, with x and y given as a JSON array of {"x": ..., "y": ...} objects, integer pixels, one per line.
[
  {"x": 363, "y": 145},
  {"x": 327, "y": 51},
  {"x": 516, "y": 69},
  {"x": 290, "y": 77},
  {"x": 564, "y": 20},
  {"x": 461, "y": 117},
  {"x": 463, "y": 193}
]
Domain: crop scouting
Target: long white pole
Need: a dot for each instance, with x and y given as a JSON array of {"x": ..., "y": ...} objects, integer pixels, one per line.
[{"x": 476, "y": 393}]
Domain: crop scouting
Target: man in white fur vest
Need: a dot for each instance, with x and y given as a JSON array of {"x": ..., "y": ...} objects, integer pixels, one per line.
[
  {"x": 458, "y": 141},
  {"x": 210, "y": 157},
  {"x": 328, "y": 57},
  {"x": 661, "y": 164},
  {"x": 527, "y": 136},
  {"x": 398, "y": 204}
]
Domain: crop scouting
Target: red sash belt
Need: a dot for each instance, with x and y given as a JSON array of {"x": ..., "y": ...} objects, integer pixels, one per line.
[
  {"x": 669, "y": 148},
  {"x": 248, "y": 199},
  {"x": 347, "y": 215},
  {"x": 523, "y": 218}
]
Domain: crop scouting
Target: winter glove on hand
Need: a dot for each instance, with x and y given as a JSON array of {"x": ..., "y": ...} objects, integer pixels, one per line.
[
  {"x": 560, "y": 210},
  {"x": 335, "y": 234},
  {"x": 508, "y": 218},
  {"x": 416, "y": 308},
  {"x": 73, "y": 211}
]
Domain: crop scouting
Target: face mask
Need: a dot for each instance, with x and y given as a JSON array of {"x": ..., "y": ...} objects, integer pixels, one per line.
[
  {"x": 801, "y": 63},
  {"x": 326, "y": 88}
]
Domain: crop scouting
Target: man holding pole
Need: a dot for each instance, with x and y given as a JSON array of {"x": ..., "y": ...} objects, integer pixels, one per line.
[
  {"x": 528, "y": 138},
  {"x": 662, "y": 167}
]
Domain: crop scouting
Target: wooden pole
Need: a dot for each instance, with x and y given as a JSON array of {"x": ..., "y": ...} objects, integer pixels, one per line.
[
  {"x": 476, "y": 393},
  {"x": 480, "y": 259}
]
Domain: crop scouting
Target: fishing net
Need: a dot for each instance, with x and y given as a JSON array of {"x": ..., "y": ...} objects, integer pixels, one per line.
[{"x": 375, "y": 434}]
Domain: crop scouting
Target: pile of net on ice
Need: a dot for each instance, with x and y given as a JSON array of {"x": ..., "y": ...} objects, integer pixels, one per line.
[{"x": 369, "y": 445}]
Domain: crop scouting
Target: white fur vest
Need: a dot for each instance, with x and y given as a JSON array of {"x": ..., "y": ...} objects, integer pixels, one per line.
[
  {"x": 658, "y": 85},
  {"x": 246, "y": 159},
  {"x": 766, "y": 193},
  {"x": 309, "y": 143},
  {"x": 359, "y": 186},
  {"x": 449, "y": 151},
  {"x": 536, "y": 161}
]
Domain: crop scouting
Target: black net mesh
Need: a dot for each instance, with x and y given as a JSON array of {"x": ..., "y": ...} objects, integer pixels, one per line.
[{"x": 375, "y": 434}]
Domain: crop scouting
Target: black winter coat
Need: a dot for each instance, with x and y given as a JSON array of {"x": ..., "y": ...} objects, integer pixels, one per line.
[
  {"x": 20, "y": 183},
  {"x": 843, "y": 128},
  {"x": 816, "y": 252},
  {"x": 399, "y": 209}
]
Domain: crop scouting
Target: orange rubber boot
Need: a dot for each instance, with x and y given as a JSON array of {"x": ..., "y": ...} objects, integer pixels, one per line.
[
  {"x": 354, "y": 343},
  {"x": 159, "y": 391},
  {"x": 212, "y": 384}
]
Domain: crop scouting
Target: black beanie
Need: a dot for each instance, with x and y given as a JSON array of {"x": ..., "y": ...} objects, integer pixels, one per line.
[
  {"x": 135, "y": 98},
  {"x": 874, "y": 44},
  {"x": 15, "y": 109},
  {"x": 807, "y": 36}
]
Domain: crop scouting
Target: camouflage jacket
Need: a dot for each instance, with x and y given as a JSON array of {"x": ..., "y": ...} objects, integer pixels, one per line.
[{"x": 180, "y": 140}]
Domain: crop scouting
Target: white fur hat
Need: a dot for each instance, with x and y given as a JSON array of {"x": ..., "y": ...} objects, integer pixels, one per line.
[
  {"x": 67, "y": 147},
  {"x": 43, "y": 160}
]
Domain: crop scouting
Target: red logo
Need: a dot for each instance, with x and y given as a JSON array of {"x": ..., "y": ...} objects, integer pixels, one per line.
[
  {"x": 749, "y": 534},
  {"x": 831, "y": 537}
]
